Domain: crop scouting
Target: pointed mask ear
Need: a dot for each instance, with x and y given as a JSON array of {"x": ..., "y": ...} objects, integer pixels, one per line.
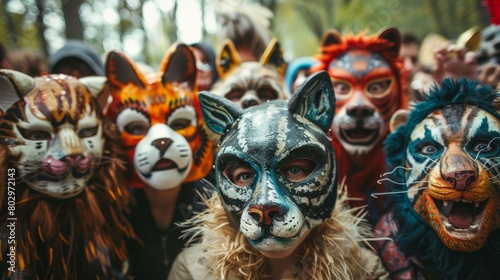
[
  {"x": 14, "y": 86},
  {"x": 331, "y": 38},
  {"x": 219, "y": 113},
  {"x": 120, "y": 71},
  {"x": 399, "y": 118},
  {"x": 315, "y": 100},
  {"x": 391, "y": 34},
  {"x": 227, "y": 58},
  {"x": 98, "y": 87},
  {"x": 273, "y": 56},
  {"x": 179, "y": 65}
]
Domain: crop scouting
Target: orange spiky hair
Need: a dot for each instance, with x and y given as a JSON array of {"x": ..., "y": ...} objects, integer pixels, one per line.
[{"x": 386, "y": 43}]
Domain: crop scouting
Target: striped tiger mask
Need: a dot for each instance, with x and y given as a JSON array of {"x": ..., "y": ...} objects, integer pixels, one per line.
[
  {"x": 53, "y": 130},
  {"x": 159, "y": 118},
  {"x": 450, "y": 151},
  {"x": 276, "y": 169}
]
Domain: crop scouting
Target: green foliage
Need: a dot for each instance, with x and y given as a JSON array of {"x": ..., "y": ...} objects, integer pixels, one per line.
[{"x": 297, "y": 21}]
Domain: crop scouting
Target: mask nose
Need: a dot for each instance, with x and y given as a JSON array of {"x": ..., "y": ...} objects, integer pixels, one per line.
[
  {"x": 249, "y": 102},
  {"x": 360, "y": 111},
  {"x": 162, "y": 144},
  {"x": 264, "y": 214}
]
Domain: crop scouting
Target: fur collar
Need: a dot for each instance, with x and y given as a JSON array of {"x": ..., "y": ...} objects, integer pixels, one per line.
[{"x": 336, "y": 249}]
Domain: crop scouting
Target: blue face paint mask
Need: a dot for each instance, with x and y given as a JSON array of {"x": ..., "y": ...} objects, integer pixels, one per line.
[{"x": 276, "y": 169}]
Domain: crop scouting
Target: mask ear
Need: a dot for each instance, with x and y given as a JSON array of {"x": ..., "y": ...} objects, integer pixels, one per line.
[
  {"x": 391, "y": 34},
  {"x": 121, "y": 71},
  {"x": 330, "y": 38},
  {"x": 179, "y": 65},
  {"x": 227, "y": 58},
  {"x": 14, "y": 86},
  {"x": 219, "y": 113},
  {"x": 273, "y": 56},
  {"x": 315, "y": 100},
  {"x": 98, "y": 87},
  {"x": 399, "y": 118}
]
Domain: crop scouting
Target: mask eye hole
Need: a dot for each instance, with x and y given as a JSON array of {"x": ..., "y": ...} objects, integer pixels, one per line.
[
  {"x": 235, "y": 94},
  {"x": 484, "y": 146},
  {"x": 137, "y": 128},
  {"x": 35, "y": 135},
  {"x": 88, "y": 132},
  {"x": 341, "y": 88},
  {"x": 239, "y": 174},
  {"x": 428, "y": 149},
  {"x": 298, "y": 170}
]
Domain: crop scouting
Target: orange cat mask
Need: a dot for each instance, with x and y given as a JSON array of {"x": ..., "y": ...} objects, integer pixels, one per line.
[{"x": 159, "y": 119}]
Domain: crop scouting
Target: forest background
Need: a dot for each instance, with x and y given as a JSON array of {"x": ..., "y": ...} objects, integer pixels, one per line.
[{"x": 144, "y": 29}]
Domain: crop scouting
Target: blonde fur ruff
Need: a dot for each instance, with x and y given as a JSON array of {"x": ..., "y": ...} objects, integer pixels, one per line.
[{"x": 336, "y": 249}]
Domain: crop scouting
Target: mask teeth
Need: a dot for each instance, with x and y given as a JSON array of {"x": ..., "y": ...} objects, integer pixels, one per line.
[{"x": 447, "y": 205}]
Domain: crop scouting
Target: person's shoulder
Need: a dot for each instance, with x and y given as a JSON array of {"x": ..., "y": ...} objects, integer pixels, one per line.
[{"x": 190, "y": 264}]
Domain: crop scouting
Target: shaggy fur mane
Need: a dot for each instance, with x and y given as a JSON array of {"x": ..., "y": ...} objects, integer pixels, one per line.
[
  {"x": 415, "y": 237},
  {"x": 72, "y": 238},
  {"x": 333, "y": 250}
]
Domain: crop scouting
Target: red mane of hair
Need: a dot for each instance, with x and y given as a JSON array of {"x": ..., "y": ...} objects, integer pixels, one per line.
[{"x": 370, "y": 43}]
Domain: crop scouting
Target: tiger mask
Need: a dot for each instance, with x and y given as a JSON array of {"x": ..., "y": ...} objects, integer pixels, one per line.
[
  {"x": 57, "y": 130},
  {"x": 63, "y": 167},
  {"x": 250, "y": 83},
  {"x": 159, "y": 118},
  {"x": 446, "y": 189}
]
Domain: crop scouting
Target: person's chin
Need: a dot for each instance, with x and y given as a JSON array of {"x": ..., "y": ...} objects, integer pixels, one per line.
[{"x": 278, "y": 248}]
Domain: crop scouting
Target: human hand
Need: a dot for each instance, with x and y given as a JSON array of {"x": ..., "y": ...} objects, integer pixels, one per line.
[
  {"x": 455, "y": 62},
  {"x": 490, "y": 75}
]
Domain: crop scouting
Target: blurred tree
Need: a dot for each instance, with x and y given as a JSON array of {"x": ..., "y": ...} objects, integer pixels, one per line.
[
  {"x": 299, "y": 24},
  {"x": 40, "y": 5},
  {"x": 72, "y": 20}
]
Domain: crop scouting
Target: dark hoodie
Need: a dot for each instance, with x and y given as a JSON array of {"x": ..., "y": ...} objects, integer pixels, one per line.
[{"x": 77, "y": 49}]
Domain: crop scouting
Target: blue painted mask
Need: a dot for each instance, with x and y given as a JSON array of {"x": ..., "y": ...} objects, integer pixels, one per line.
[{"x": 276, "y": 169}]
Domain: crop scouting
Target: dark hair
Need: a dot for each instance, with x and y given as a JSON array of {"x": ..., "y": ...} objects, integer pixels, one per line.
[
  {"x": 209, "y": 52},
  {"x": 3, "y": 52},
  {"x": 409, "y": 38}
]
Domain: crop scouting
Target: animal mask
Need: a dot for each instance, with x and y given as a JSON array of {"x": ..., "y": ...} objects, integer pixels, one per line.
[
  {"x": 159, "y": 118},
  {"x": 366, "y": 73},
  {"x": 489, "y": 48},
  {"x": 449, "y": 149},
  {"x": 55, "y": 129},
  {"x": 276, "y": 170},
  {"x": 63, "y": 168},
  {"x": 250, "y": 83}
]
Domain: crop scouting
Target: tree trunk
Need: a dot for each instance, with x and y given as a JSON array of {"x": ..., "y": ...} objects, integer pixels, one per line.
[
  {"x": 40, "y": 5},
  {"x": 204, "y": 32},
  {"x": 11, "y": 29},
  {"x": 438, "y": 18},
  {"x": 74, "y": 26},
  {"x": 145, "y": 50},
  {"x": 484, "y": 15}
]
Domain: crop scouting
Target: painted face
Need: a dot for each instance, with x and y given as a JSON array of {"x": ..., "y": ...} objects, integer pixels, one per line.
[
  {"x": 455, "y": 153},
  {"x": 160, "y": 120},
  {"x": 276, "y": 169},
  {"x": 55, "y": 135},
  {"x": 251, "y": 83},
  {"x": 367, "y": 94}
]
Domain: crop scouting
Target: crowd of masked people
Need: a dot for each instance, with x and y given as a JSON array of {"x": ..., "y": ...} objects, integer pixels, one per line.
[{"x": 275, "y": 169}]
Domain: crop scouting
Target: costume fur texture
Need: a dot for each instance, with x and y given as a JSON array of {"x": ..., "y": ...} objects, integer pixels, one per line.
[
  {"x": 75, "y": 237},
  {"x": 336, "y": 249},
  {"x": 462, "y": 240}
]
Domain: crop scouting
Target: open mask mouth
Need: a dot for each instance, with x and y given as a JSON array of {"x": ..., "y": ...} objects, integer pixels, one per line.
[
  {"x": 461, "y": 217},
  {"x": 164, "y": 164},
  {"x": 359, "y": 135}
]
